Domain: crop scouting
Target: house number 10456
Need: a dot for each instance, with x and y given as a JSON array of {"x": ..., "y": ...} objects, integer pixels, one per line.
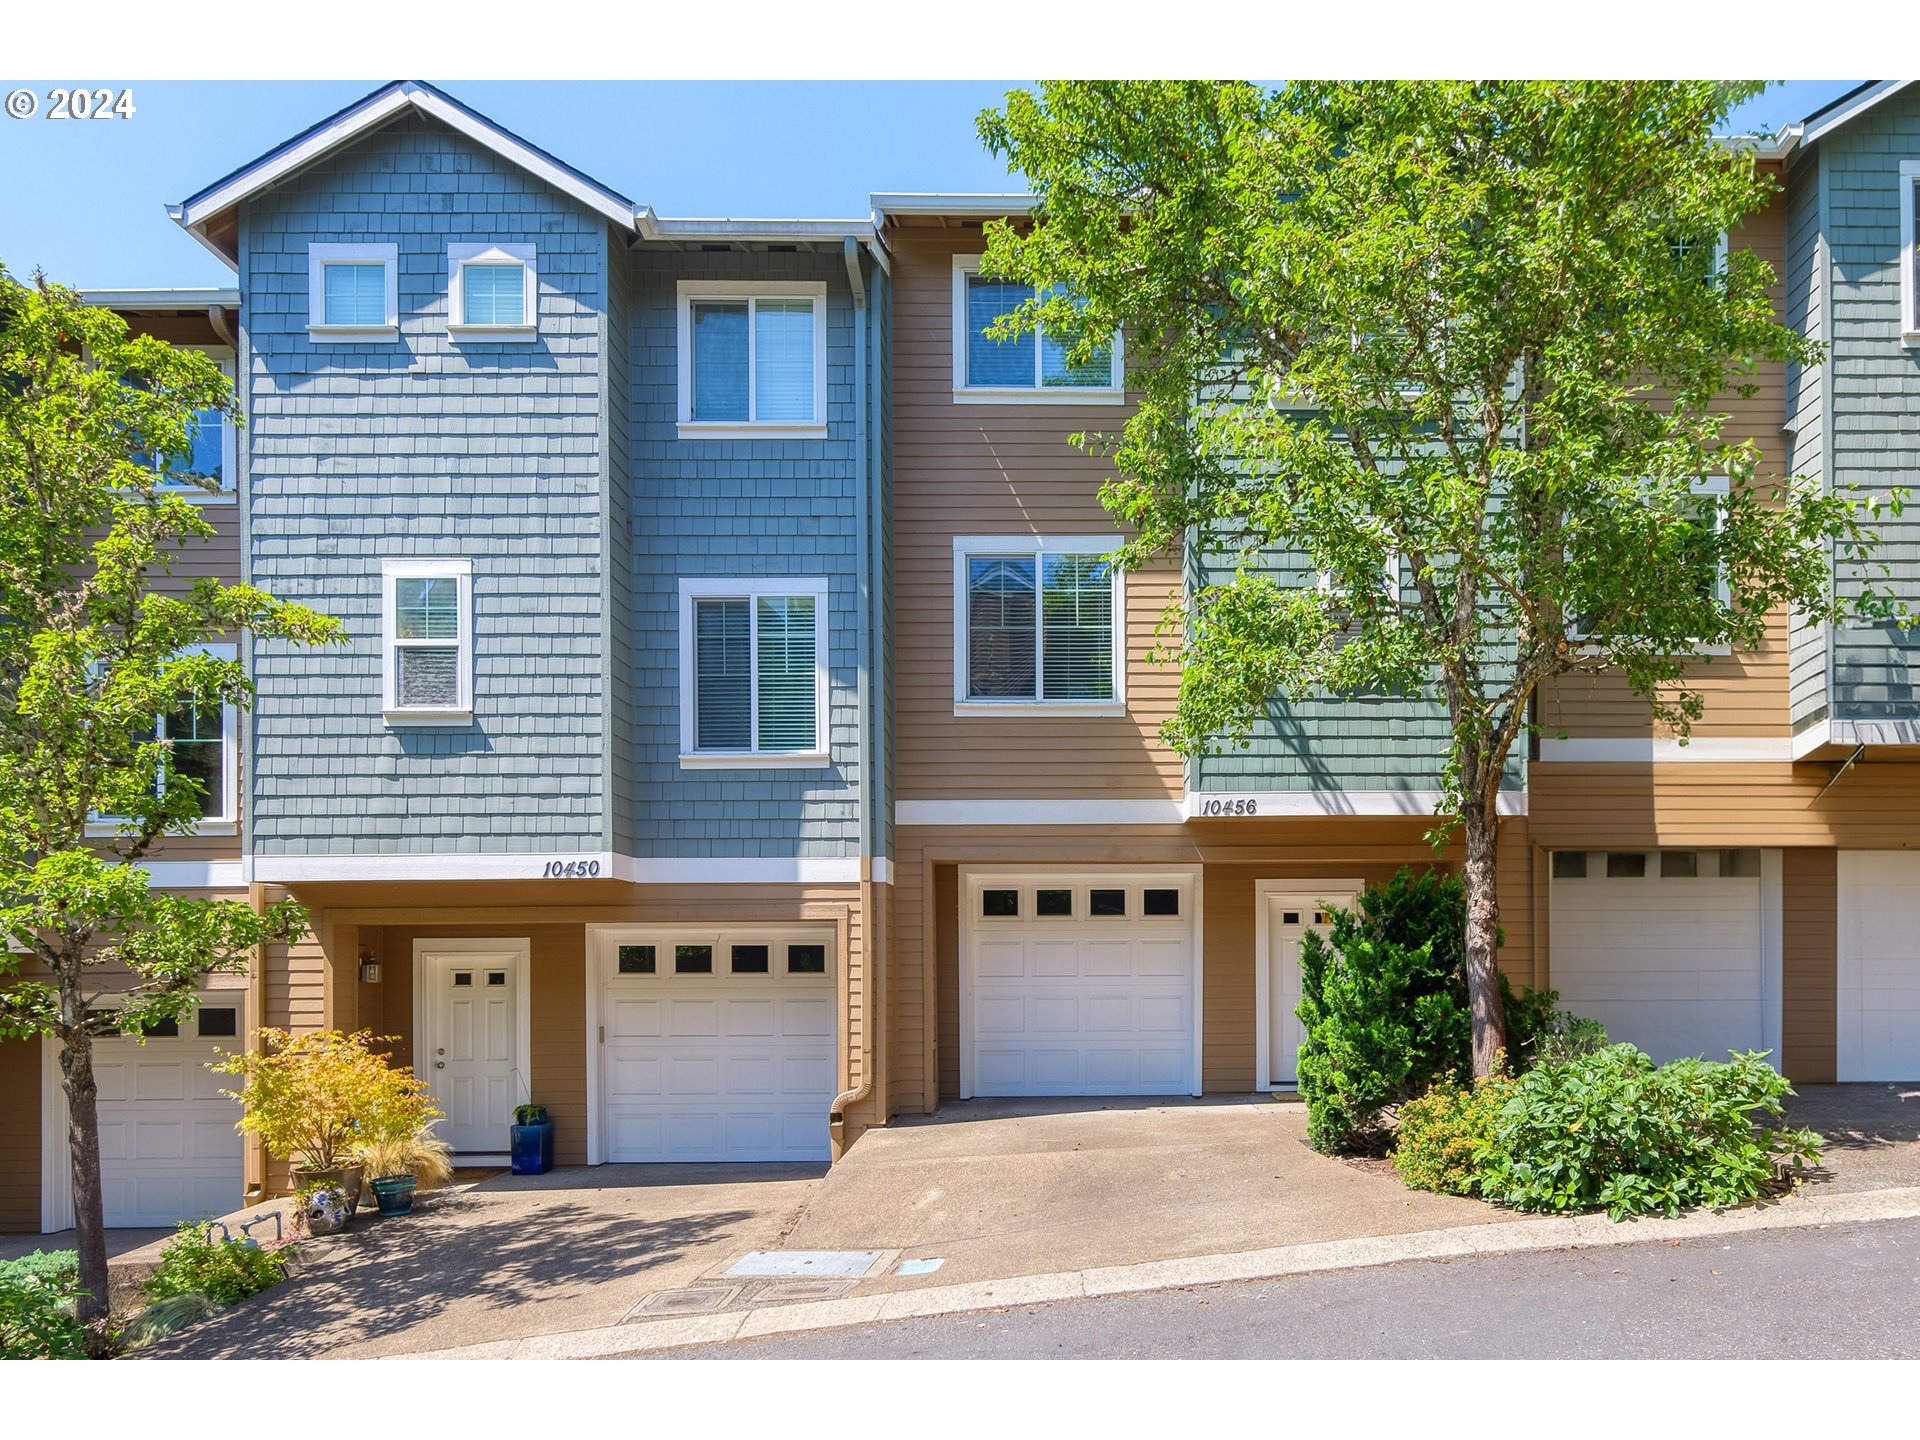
[{"x": 1229, "y": 807}]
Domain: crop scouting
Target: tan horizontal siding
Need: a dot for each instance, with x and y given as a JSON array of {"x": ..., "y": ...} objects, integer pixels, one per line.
[
  {"x": 1000, "y": 470},
  {"x": 1872, "y": 807},
  {"x": 20, "y": 1071},
  {"x": 1744, "y": 693},
  {"x": 1809, "y": 975}
]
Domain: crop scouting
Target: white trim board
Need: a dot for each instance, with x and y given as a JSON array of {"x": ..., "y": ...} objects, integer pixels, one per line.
[
  {"x": 1037, "y": 812},
  {"x": 1268, "y": 804},
  {"x": 703, "y": 870},
  {"x": 1628, "y": 750}
]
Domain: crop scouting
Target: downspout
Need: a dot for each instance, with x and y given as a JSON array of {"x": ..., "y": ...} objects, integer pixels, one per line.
[{"x": 863, "y": 807}]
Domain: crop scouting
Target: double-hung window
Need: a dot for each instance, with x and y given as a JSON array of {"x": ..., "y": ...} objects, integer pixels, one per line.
[
  {"x": 1909, "y": 194},
  {"x": 753, "y": 676},
  {"x": 1036, "y": 626},
  {"x": 1031, "y": 368},
  {"x": 353, "y": 292},
  {"x": 201, "y": 739},
  {"x": 427, "y": 631},
  {"x": 753, "y": 359},
  {"x": 204, "y": 471},
  {"x": 492, "y": 292}
]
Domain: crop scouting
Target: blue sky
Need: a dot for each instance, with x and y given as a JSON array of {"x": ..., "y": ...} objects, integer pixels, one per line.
[{"x": 85, "y": 200}]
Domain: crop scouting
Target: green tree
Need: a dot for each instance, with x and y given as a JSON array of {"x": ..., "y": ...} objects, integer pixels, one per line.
[
  {"x": 1465, "y": 346},
  {"x": 92, "y": 652}
]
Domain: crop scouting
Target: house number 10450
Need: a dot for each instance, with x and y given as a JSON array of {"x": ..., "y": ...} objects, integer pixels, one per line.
[{"x": 570, "y": 870}]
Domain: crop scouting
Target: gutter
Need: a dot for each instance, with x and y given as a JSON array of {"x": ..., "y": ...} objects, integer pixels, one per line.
[{"x": 850, "y": 249}]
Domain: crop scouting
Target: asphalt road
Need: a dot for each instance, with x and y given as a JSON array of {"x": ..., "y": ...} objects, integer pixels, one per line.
[{"x": 1843, "y": 1292}]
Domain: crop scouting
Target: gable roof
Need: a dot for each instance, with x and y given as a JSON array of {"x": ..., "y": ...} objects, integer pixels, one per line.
[
  {"x": 1850, "y": 106},
  {"x": 207, "y": 215}
]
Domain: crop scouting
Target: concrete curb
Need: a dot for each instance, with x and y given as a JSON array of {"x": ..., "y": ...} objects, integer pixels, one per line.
[{"x": 1500, "y": 1237}]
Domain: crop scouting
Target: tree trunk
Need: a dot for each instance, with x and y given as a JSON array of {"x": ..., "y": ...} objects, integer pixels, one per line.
[
  {"x": 1481, "y": 879},
  {"x": 89, "y": 1210}
]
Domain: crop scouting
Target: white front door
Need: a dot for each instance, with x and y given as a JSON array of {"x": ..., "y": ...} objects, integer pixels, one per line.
[
  {"x": 1289, "y": 915},
  {"x": 471, "y": 1044},
  {"x": 1879, "y": 965},
  {"x": 1079, "y": 984}
]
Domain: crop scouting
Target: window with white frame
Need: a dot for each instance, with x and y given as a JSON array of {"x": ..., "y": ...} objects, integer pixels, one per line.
[
  {"x": 492, "y": 291},
  {"x": 1032, "y": 367},
  {"x": 353, "y": 291},
  {"x": 202, "y": 748},
  {"x": 753, "y": 359},
  {"x": 1034, "y": 625},
  {"x": 1709, "y": 578},
  {"x": 210, "y": 458},
  {"x": 1909, "y": 195},
  {"x": 753, "y": 672},
  {"x": 427, "y": 629}
]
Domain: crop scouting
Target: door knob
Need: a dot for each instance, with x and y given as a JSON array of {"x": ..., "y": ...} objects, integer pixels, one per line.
[{"x": 439, "y": 1064}]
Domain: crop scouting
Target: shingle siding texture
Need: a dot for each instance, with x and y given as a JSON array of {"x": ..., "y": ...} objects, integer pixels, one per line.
[
  {"x": 1874, "y": 405},
  {"x": 727, "y": 508},
  {"x": 426, "y": 447},
  {"x": 1805, "y": 296}
]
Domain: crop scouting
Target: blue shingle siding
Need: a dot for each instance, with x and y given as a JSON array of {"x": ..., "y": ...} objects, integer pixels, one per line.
[
  {"x": 623, "y": 793},
  {"x": 1871, "y": 443},
  {"x": 725, "y": 508},
  {"x": 424, "y": 447},
  {"x": 1805, "y": 282}
]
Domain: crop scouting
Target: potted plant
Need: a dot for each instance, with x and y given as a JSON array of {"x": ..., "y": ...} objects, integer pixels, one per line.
[
  {"x": 400, "y": 1161},
  {"x": 532, "y": 1137},
  {"x": 322, "y": 1206},
  {"x": 308, "y": 1095}
]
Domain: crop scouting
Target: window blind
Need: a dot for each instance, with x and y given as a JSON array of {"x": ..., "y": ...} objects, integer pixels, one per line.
[
  {"x": 786, "y": 678},
  {"x": 723, "y": 675},
  {"x": 1077, "y": 639},
  {"x": 720, "y": 361},
  {"x": 493, "y": 294},
  {"x": 426, "y": 631},
  {"x": 990, "y": 361},
  {"x": 1000, "y": 628},
  {"x": 783, "y": 360},
  {"x": 355, "y": 292}
]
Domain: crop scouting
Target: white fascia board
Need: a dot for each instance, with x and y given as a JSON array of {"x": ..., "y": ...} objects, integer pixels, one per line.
[
  {"x": 376, "y": 110},
  {"x": 1626, "y": 750},
  {"x": 961, "y": 206},
  {"x": 183, "y": 299},
  {"x": 801, "y": 232},
  {"x": 639, "y": 870},
  {"x": 195, "y": 874},
  {"x": 1288, "y": 804},
  {"x": 1037, "y": 812},
  {"x": 1832, "y": 120}
]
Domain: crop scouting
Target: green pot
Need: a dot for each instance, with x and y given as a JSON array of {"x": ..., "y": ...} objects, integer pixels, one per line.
[{"x": 394, "y": 1194}]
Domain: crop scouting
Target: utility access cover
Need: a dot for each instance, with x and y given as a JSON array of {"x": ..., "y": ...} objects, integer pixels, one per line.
[{"x": 787, "y": 1263}]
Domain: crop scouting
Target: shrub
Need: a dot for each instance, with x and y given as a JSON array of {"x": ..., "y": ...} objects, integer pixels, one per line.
[
  {"x": 170, "y": 1316},
  {"x": 223, "y": 1271},
  {"x": 1384, "y": 1006},
  {"x": 1612, "y": 1131},
  {"x": 1538, "y": 1032},
  {"x": 1446, "y": 1137},
  {"x": 38, "y": 1301},
  {"x": 312, "y": 1097}
]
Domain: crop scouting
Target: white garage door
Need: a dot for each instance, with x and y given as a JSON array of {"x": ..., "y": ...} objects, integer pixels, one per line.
[
  {"x": 168, "y": 1149},
  {"x": 1879, "y": 966},
  {"x": 717, "y": 1046},
  {"x": 1671, "y": 950},
  {"x": 1078, "y": 985}
]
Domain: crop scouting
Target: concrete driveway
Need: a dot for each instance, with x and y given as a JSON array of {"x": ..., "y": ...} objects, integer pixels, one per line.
[{"x": 990, "y": 1189}]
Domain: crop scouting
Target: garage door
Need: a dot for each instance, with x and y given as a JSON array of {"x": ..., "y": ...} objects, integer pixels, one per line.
[
  {"x": 1669, "y": 948},
  {"x": 717, "y": 1046},
  {"x": 1878, "y": 996},
  {"x": 168, "y": 1149},
  {"x": 1078, "y": 985}
]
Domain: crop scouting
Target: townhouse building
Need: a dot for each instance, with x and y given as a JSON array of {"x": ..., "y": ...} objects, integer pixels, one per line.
[{"x": 741, "y": 739}]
